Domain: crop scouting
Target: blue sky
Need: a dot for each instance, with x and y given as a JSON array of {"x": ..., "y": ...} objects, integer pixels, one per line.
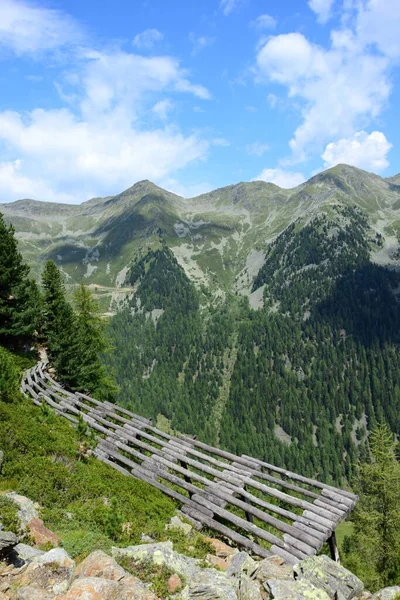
[{"x": 193, "y": 95}]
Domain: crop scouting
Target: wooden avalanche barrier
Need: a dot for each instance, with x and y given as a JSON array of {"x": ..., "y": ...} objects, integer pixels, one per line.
[{"x": 260, "y": 507}]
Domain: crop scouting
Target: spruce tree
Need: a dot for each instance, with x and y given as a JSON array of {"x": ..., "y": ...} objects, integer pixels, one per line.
[
  {"x": 373, "y": 551},
  {"x": 89, "y": 343},
  {"x": 17, "y": 292},
  {"x": 58, "y": 319}
]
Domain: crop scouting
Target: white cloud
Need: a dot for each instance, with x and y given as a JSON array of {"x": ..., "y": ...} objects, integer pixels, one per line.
[
  {"x": 379, "y": 23},
  {"x": 100, "y": 142},
  {"x": 28, "y": 29},
  {"x": 341, "y": 88},
  {"x": 272, "y": 100},
  {"x": 363, "y": 150},
  {"x": 322, "y": 9},
  {"x": 228, "y": 6},
  {"x": 280, "y": 177},
  {"x": 162, "y": 108},
  {"x": 257, "y": 149},
  {"x": 199, "y": 42},
  {"x": 264, "y": 22},
  {"x": 147, "y": 39}
]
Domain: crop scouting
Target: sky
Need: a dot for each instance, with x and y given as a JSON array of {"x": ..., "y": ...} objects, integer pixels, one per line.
[{"x": 193, "y": 94}]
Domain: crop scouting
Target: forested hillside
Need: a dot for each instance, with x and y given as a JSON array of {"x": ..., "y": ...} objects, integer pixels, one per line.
[{"x": 299, "y": 381}]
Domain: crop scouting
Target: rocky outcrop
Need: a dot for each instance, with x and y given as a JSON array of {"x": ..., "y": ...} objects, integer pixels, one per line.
[{"x": 8, "y": 541}]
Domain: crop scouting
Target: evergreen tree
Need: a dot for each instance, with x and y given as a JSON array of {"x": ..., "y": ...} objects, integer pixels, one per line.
[
  {"x": 9, "y": 375},
  {"x": 58, "y": 319},
  {"x": 86, "y": 370},
  {"x": 373, "y": 551},
  {"x": 16, "y": 291}
]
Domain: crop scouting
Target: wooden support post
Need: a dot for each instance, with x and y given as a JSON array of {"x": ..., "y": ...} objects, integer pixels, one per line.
[
  {"x": 186, "y": 477},
  {"x": 334, "y": 548},
  {"x": 249, "y": 517}
]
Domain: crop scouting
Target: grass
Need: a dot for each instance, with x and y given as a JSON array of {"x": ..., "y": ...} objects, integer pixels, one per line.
[
  {"x": 87, "y": 503},
  {"x": 149, "y": 572},
  {"x": 342, "y": 530}
]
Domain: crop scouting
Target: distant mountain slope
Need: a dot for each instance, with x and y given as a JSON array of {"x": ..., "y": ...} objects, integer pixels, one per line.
[{"x": 218, "y": 238}]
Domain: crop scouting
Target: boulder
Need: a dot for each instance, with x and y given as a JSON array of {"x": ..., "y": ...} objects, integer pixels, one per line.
[
  {"x": 174, "y": 583},
  {"x": 248, "y": 589},
  {"x": 161, "y": 554},
  {"x": 99, "y": 588},
  {"x": 99, "y": 564},
  {"x": 27, "y": 509},
  {"x": 389, "y": 593},
  {"x": 241, "y": 562},
  {"x": 40, "y": 534},
  {"x": 281, "y": 589},
  {"x": 273, "y": 567},
  {"x": 30, "y": 593},
  {"x": 209, "y": 584},
  {"x": 8, "y": 541},
  {"x": 330, "y": 576},
  {"x": 51, "y": 572},
  {"x": 216, "y": 561},
  {"x": 220, "y": 548},
  {"x": 176, "y": 523},
  {"x": 22, "y": 553}
]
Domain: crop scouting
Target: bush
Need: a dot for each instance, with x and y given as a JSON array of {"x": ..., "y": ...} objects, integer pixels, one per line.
[{"x": 9, "y": 514}]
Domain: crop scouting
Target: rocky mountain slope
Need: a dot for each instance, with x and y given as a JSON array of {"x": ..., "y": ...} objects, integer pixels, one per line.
[{"x": 219, "y": 238}]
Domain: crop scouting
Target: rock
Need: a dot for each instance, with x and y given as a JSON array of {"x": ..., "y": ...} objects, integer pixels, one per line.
[
  {"x": 216, "y": 561},
  {"x": 90, "y": 588},
  {"x": 30, "y": 593},
  {"x": 209, "y": 584},
  {"x": 273, "y": 567},
  {"x": 328, "y": 575},
  {"x": 161, "y": 554},
  {"x": 389, "y": 593},
  {"x": 248, "y": 589},
  {"x": 22, "y": 553},
  {"x": 27, "y": 509},
  {"x": 8, "y": 541},
  {"x": 281, "y": 589},
  {"x": 146, "y": 539},
  {"x": 51, "y": 572},
  {"x": 176, "y": 523},
  {"x": 174, "y": 583},
  {"x": 241, "y": 562},
  {"x": 220, "y": 548},
  {"x": 40, "y": 534},
  {"x": 99, "y": 564}
]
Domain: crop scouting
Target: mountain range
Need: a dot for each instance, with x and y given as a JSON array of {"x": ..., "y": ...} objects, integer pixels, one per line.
[{"x": 261, "y": 319}]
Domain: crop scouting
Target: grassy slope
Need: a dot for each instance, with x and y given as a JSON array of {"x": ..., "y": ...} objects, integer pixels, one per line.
[{"x": 87, "y": 503}]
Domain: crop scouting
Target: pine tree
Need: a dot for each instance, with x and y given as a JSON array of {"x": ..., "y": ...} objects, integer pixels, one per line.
[
  {"x": 89, "y": 343},
  {"x": 58, "y": 319},
  {"x": 373, "y": 551},
  {"x": 9, "y": 375},
  {"x": 16, "y": 290}
]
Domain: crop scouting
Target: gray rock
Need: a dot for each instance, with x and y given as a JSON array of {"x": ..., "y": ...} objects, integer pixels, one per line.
[
  {"x": 273, "y": 567},
  {"x": 176, "y": 523},
  {"x": 209, "y": 584},
  {"x": 22, "y": 553},
  {"x": 161, "y": 553},
  {"x": 389, "y": 593},
  {"x": 7, "y": 542},
  {"x": 241, "y": 562},
  {"x": 330, "y": 576},
  {"x": 27, "y": 509},
  {"x": 281, "y": 589},
  {"x": 248, "y": 589}
]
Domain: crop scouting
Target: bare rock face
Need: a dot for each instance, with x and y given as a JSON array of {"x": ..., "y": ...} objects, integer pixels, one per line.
[
  {"x": 99, "y": 564},
  {"x": 41, "y": 534},
  {"x": 273, "y": 567},
  {"x": 280, "y": 589}
]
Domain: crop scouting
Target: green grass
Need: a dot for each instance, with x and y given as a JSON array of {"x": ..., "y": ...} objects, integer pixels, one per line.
[
  {"x": 342, "y": 530},
  {"x": 87, "y": 503}
]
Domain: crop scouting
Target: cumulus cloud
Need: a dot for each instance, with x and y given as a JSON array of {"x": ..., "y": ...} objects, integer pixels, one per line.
[
  {"x": 264, "y": 22},
  {"x": 340, "y": 89},
  {"x": 363, "y": 150},
  {"x": 100, "y": 142},
  {"x": 257, "y": 149},
  {"x": 322, "y": 9},
  {"x": 147, "y": 39},
  {"x": 280, "y": 177},
  {"x": 28, "y": 29}
]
